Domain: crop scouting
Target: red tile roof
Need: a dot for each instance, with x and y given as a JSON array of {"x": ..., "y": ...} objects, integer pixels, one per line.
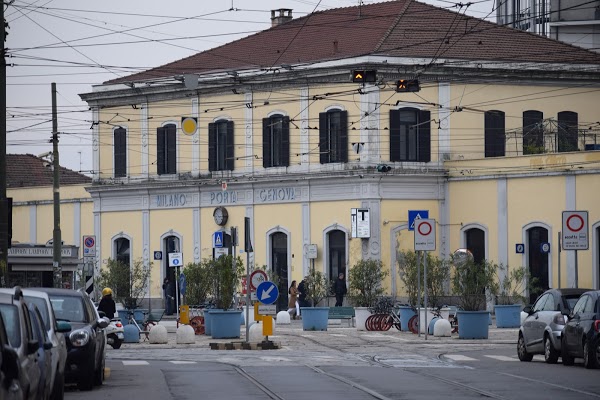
[
  {"x": 27, "y": 170},
  {"x": 395, "y": 28}
]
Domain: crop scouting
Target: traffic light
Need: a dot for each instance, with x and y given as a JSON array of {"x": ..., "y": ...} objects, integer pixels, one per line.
[
  {"x": 383, "y": 168},
  {"x": 364, "y": 76},
  {"x": 407, "y": 85}
]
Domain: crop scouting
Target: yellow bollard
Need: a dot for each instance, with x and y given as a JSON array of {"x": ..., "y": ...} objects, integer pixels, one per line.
[{"x": 184, "y": 314}]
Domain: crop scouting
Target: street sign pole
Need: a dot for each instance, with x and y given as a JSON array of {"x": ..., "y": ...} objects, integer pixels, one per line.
[
  {"x": 576, "y": 271},
  {"x": 559, "y": 255},
  {"x": 425, "y": 291},
  {"x": 418, "y": 293}
]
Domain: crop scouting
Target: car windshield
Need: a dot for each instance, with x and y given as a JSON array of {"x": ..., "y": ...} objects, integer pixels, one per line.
[
  {"x": 11, "y": 322},
  {"x": 41, "y": 305},
  {"x": 68, "y": 308}
]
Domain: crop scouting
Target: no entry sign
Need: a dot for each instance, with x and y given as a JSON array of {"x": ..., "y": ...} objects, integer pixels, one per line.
[
  {"x": 575, "y": 230},
  {"x": 424, "y": 234}
]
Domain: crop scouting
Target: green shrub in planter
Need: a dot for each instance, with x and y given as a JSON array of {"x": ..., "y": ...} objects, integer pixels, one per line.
[
  {"x": 317, "y": 286},
  {"x": 473, "y": 283},
  {"x": 366, "y": 277},
  {"x": 438, "y": 272},
  {"x": 225, "y": 279},
  {"x": 514, "y": 285}
]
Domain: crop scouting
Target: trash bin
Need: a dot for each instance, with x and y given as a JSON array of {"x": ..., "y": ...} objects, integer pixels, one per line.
[{"x": 184, "y": 314}]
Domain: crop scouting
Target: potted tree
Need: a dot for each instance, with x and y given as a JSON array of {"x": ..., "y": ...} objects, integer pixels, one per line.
[
  {"x": 315, "y": 318},
  {"x": 366, "y": 278},
  {"x": 513, "y": 284},
  {"x": 226, "y": 273},
  {"x": 473, "y": 283},
  {"x": 408, "y": 271}
]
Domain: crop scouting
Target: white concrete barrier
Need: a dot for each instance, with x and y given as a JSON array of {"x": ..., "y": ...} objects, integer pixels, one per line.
[
  {"x": 158, "y": 335},
  {"x": 185, "y": 335}
]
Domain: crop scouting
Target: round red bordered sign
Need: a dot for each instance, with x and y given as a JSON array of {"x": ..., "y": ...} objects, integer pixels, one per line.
[
  {"x": 256, "y": 278},
  {"x": 424, "y": 228},
  {"x": 575, "y": 226}
]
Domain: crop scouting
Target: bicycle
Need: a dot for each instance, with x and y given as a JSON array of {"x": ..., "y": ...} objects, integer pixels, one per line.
[
  {"x": 383, "y": 317},
  {"x": 147, "y": 320}
]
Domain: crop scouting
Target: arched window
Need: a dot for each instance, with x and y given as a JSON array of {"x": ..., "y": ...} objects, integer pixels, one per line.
[
  {"x": 410, "y": 135},
  {"x": 495, "y": 134},
  {"x": 122, "y": 251},
  {"x": 537, "y": 260},
  {"x": 220, "y": 146},
  {"x": 475, "y": 243},
  {"x": 533, "y": 132},
  {"x": 166, "y": 149},
  {"x": 279, "y": 265},
  {"x": 336, "y": 241},
  {"x": 333, "y": 136},
  {"x": 276, "y": 141}
]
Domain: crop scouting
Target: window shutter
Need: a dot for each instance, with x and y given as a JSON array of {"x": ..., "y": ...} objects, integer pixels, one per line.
[
  {"x": 424, "y": 136},
  {"x": 160, "y": 150},
  {"x": 266, "y": 143},
  {"x": 230, "y": 149},
  {"x": 285, "y": 142},
  {"x": 494, "y": 134},
  {"x": 171, "y": 134},
  {"x": 533, "y": 134},
  {"x": 323, "y": 142},
  {"x": 212, "y": 147},
  {"x": 568, "y": 131},
  {"x": 343, "y": 151},
  {"x": 120, "y": 163},
  {"x": 395, "y": 135}
]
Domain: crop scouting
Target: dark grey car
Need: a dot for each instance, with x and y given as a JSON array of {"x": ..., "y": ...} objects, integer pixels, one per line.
[{"x": 541, "y": 331}]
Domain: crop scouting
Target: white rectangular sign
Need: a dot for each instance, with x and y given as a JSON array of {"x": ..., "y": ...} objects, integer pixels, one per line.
[
  {"x": 424, "y": 234},
  {"x": 267, "y": 309},
  {"x": 175, "y": 259},
  {"x": 361, "y": 223},
  {"x": 311, "y": 251},
  {"x": 575, "y": 230}
]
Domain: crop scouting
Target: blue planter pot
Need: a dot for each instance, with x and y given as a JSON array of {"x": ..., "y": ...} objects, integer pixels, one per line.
[
  {"x": 473, "y": 324},
  {"x": 225, "y": 324},
  {"x": 131, "y": 334},
  {"x": 124, "y": 317},
  {"x": 406, "y": 313},
  {"x": 208, "y": 321},
  {"x": 508, "y": 316},
  {"x": 314, "y": 318}
]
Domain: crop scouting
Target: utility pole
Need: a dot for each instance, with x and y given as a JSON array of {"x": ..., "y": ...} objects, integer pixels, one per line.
[
  {"x": 3, "y": 205},
  {"x": 56, "y": 239}
]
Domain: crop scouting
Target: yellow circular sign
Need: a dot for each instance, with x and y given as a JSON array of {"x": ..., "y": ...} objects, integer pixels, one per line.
[{"x": 189, "y": 125}]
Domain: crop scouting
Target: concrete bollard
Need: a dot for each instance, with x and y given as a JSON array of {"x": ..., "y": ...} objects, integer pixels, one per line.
[
  {"x": 283, "y": 318},
  {"x": 185, "y": 335},
  {"x": 131, "y": 334},
  {"x": 442, "y": 328},
  {"x": 255, "y": 332},
  {"x": 158, "y": 334}
]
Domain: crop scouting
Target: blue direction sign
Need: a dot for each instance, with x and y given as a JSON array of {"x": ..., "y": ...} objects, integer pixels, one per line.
[
  {"x": 416, "y": 214},
  {"x": 218, "y": 240},
  {"x": 267, "y": 292}
]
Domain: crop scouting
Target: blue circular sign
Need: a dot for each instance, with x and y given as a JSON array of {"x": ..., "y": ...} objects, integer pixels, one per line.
[{"x": 267, "y": 292}]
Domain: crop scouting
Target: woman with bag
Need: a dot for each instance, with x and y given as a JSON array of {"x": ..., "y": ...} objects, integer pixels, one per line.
[{"x": 292, "y": 305}]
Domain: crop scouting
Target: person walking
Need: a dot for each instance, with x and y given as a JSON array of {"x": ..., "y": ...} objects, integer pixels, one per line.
[
  {"x": 302, "y": 292},
  {"x": 293, "y": 292},
  {"x": 107, "y": 304},
  {"x": 167, "y": 289},
  {"x": 340, "y": 290}
]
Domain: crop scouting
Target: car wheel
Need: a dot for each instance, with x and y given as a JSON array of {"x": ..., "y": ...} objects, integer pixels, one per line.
[
  {"x": 550, "y": 353},
  {"x": 567, "y": 359},
  {"x": 590, "y": 355},
  {"x": 522, "y": 350},
  {"x": 86, "y": 379},
  {"x": 99, "y": 373},
  {"x": 58, "y": 392}
]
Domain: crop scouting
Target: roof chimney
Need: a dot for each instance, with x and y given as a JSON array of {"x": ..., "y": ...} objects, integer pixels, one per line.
[{"x": 280, "y": 16}]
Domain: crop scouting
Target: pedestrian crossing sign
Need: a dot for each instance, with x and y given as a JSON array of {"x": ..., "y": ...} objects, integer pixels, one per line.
[
  {"x": 218, "y": 240},
  {"x": 416, "y": 214}
]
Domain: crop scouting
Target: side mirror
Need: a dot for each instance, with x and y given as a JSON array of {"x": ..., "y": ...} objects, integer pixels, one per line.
[
  {"x": 102, "y": 322},
  {"x": 102, "y": 314},
  {"x": 63, "y": 326},
  {"x": 32, "y": 346},
  {"x": 528, "y": 310},
  {"x": 47, "y": 345}
]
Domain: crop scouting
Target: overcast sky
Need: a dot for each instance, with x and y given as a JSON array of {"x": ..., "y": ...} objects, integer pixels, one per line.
[{"x": 79, "y": 43}]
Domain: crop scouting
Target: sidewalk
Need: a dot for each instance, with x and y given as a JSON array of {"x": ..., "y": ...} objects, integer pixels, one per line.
[{"x": 292, "y": 336}]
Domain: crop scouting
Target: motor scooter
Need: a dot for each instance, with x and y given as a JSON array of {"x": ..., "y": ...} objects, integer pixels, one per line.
[{"x": 114, "y": 333}]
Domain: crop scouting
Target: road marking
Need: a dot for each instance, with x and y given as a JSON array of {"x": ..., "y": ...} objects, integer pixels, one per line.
[
  {"x": 374, "y": 335},
  {"x": 459, "y": 357},
  {"x": 337, "y": 334},
  {"x": 135, "y": 362},
  {"x": 267, "y": 358},
  {"x": 552, "y": 384},
  {"x": 503, "y": 358},
  {"x": 183, "y": 362}
]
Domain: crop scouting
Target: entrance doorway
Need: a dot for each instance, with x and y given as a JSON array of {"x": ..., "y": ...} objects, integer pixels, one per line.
[
  {"x": 537, "y": 261},
  {"x": 171, "y": 244},
  {"x": 279, "y": 259}
]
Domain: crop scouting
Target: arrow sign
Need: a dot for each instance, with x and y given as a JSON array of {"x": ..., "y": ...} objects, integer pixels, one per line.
[{"x": 267, "y": 292}]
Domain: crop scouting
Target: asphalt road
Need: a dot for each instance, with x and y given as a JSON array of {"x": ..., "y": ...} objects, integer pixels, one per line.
[{"x": 340, "y": 364}]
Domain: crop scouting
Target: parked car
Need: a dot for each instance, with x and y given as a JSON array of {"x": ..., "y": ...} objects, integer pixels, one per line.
[
  {"x": 21, "y": 337},
  {"x": 581, "y": 336},
  {"x": 56, "y": 330},
  {"x": 44, "y": 352},
  {"x": 542, "y": 330},
  {"x": 10, "y": 387},
  {"x": 86, "y": 342}
]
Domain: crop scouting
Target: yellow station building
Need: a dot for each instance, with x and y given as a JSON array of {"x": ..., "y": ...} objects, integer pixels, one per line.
[{"x": 493, "y": 131}]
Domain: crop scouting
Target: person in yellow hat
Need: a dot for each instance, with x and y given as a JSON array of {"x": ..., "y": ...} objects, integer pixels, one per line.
[{"x": 107, "y": 304}]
